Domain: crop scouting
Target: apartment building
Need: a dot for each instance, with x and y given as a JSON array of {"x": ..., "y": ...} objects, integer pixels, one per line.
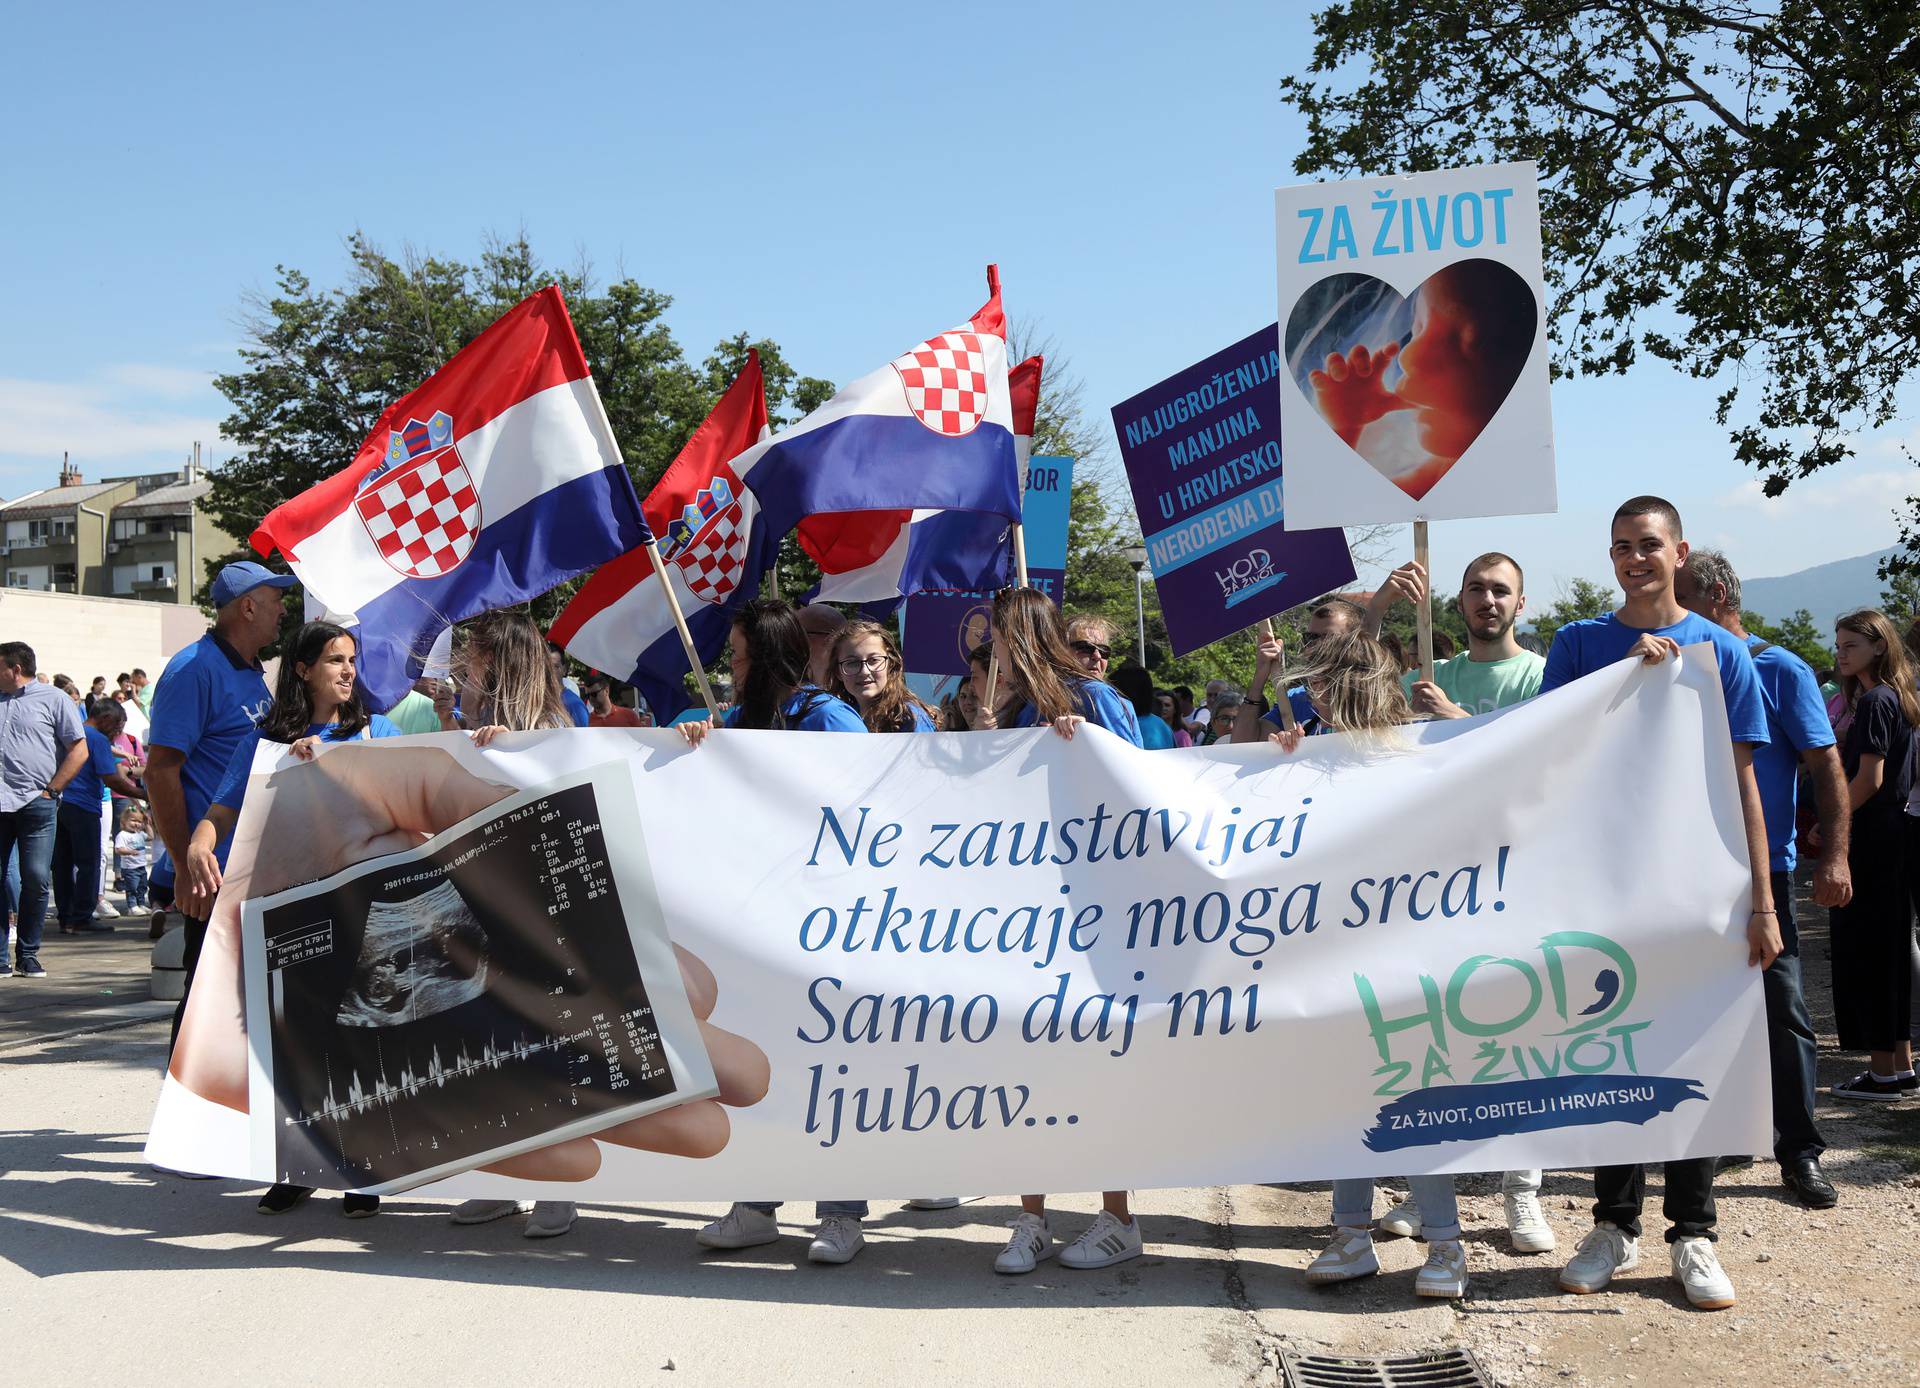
[{"x": 141, "y": 537}]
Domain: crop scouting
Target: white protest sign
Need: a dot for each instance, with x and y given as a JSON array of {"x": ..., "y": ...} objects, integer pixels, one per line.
[
  {"x": 1413, "y": 347},
  {"x": 1007, "y": 961}
]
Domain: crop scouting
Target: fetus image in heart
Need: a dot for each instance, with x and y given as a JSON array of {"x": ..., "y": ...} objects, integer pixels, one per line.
[{"x": 1410, "y": 382}]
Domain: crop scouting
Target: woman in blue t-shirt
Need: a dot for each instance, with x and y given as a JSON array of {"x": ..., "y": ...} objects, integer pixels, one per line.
[
  {"x": 1049, "y": 686},
  {"x": 316, "y": 699},
  {"x": 768, "y": 650},
  {"x": 1136, "y": 687},
  {"x": 868, "y": 674}
]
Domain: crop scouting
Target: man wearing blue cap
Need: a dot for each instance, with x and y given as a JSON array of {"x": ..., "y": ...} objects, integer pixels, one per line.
[{"x": 209, "y": 697}]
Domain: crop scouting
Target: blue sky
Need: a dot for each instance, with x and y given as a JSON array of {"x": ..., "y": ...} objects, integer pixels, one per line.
[{"x": 835, "y": 178}]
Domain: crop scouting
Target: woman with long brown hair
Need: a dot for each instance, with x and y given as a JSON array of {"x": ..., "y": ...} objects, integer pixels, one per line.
[
  {"x": 508, "y": 684},
  {"x": 867, "y": 673},
  {"x": 1037, "y": 668},
  {"x": 1873, "y": 933}
]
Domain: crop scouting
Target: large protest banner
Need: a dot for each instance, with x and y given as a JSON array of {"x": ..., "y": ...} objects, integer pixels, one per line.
[
  {"x": 1202, "y": 453},
  {"x": 939, "y": 629},
  {"x": 996, "y": 961},
  {"x": 1413, "y": 337}
]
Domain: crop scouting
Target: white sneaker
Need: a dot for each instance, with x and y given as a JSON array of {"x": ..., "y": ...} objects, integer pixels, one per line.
[
  {"x": 1106, "y": 1242},
  {"x": 934, "y": 1202},
  {"x": 549, "y": 1219},
  {"x": 739, "y": 1227},
  {"x": 1349, "y": 1254},
  {"x": 1605, "y": 1250},
  {"x": 836, "y": 1240},
  {"x": 1031, "y": 1244},
  {"x": 1527, "y": 1225},
  {"x": 105, "y": 910},
  {"x": 486, "y": 1211},
  {"x": 1445, "y": 1273},
  {"x": 1697, "y": 1268},
  {"x": 1403, "y": 1220}
]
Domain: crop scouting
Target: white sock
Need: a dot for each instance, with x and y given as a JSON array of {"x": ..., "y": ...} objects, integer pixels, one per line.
[{"x": 1880, "y": 1078}]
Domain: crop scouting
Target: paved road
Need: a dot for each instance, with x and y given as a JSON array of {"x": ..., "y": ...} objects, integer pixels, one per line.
[{"x": 110, "y": 1271}]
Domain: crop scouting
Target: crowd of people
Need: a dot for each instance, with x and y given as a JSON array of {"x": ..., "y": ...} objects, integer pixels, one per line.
[{"x": 1831, "y": 771}]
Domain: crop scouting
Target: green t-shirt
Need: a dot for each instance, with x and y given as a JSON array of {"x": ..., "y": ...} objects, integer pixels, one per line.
[
  {"x": 1483, "y": 686},
  {"x": 414, "y": 713}
]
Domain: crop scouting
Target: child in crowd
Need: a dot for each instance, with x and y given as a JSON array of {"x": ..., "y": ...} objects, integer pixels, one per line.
[{"x": 132, "y": 852}]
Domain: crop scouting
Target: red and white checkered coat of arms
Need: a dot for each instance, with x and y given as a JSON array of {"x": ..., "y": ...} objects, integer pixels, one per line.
[
  {"x": 419, "y": 506},
  {"x": 708, "y": 540},
  {"x": 945, "y": 379}
]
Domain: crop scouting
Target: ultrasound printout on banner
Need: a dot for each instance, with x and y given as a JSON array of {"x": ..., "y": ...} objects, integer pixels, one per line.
[{"x": 508, "y": 984}]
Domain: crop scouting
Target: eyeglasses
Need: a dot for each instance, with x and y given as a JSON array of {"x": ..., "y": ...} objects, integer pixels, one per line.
[
  {"x": 1091, "y": 648},
  {"x": 854, "y": 665}
]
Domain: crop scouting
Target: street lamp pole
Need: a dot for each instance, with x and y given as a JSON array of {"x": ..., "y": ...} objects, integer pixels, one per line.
[{"x": 1136, "y": 555}]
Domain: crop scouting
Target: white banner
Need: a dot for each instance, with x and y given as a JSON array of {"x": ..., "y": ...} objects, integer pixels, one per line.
[
  {"x": 985, "y": 962},
  {"x": 1413, "y": 348}
]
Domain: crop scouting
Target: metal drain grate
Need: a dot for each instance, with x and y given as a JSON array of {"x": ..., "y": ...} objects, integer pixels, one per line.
[{"x": 1447, "y": 1368}]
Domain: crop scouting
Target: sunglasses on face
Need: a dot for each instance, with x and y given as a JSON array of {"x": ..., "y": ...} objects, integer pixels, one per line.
[{"x": 1091, "y": 648}]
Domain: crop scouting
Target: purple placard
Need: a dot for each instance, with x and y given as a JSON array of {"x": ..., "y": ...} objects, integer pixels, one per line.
[
  {"x": 1202, "y": 452},
  {"x": 940, "y": 628}
]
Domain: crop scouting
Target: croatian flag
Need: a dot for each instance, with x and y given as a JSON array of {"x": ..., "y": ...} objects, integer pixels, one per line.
[
  {"x": 880, "y": 557},
  {"x": 619, "y": 620},
  {"x": 931, "y": 430},
  {"x": 494, "y": 481}
]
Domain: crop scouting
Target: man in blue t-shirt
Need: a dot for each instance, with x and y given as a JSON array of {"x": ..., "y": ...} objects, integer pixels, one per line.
[
  {"x": 211, "y": 695},
  {"x": 1798, "y": 735},
  {"x": 76, "y": 846},
  {"x": 1647, "y": 550}
]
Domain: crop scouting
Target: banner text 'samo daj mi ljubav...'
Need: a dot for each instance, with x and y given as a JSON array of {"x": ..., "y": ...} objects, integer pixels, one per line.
[{"x": 807, "y": 965}]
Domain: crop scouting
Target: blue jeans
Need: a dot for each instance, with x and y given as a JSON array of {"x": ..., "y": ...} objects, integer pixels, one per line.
[
  {"x": 1791, "y": 1046},
  {"x": 30, "y": 830},
  {"x": 1439, "y": 1211},
  {"x": 136, "y": 880},
  {"x": 76, "y": 864},
  {"x": 821, "y": 1209}
]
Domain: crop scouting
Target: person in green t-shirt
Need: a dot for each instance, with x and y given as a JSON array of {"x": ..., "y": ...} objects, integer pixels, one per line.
[{"x": 1493, "y": 672}]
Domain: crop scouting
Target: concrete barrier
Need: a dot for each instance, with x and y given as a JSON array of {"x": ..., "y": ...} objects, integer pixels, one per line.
[{"x": 168, "y": 981}]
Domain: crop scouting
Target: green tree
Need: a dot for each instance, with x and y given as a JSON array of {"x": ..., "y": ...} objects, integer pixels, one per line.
[
  {"x": 1797, "y": 634},
  {"x": 319, "y": 366},
  {"x": 1577, "y": 601},
  {"x": 1900, "y": 599},
  {"x": 1729, "y": 187}
]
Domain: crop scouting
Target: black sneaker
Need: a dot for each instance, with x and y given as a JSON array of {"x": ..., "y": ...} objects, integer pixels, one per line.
[
  {"x": 1909, "y": 1084},
  {"x": 357, "y": 1206},
  {"x": 31, "y": 968},
  {"x": 6, "y": 969},
  {"x": 1867, "y": 1087},
  {"x": 283, "y": 1198}
]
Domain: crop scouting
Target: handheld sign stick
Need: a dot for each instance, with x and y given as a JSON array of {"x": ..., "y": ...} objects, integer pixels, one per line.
[
  {"x": 1280, "y": 677},
  {"x": 666, "y": 583},
  {"x": 1019, "y": 555},
  {"x": 1423, "y": 613}
]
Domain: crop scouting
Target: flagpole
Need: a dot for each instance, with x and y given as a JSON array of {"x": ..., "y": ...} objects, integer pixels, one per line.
[
  {"x": 660, "y": 569},
  {"x": 1020, "y": 554}
]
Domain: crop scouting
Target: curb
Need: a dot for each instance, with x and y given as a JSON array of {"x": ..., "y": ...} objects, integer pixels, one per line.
[{"x": 104, "y": 1024}]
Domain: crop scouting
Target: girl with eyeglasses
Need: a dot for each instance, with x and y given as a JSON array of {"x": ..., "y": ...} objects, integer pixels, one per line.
[{"x": 868, "y": 674}]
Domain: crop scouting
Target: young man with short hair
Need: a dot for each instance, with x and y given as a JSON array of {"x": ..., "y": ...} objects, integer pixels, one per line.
[
  {"x": 602, "y": 711},
  {"x": 142, "y": 691},
  {"x": 1799, "y": 736},
  {"x": 1648, "y": 548},
  {"x": 1494, "y": 672}
]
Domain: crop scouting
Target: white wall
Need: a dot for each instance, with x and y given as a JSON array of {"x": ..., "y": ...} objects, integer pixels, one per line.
[{"x": 84, "y": 637}]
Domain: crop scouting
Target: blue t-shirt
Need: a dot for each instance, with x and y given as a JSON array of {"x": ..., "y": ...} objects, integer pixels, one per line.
[
  {"x": 577, "y": 708},
  {"x": 208, "y": 700},
  {"x": 1155, "y": 735},
  {"x": 87, "y": 788},
  {"x": 1299, "y": 701},
  {"x": 922, "y": 720},
  {"x": 1580, "y": 648},
  {"x": 1796, "y": 723},
  {"x": 810, "y": 709},
  {"x": 1098, "y": 702},
  {"x": 233, "y": 785}
]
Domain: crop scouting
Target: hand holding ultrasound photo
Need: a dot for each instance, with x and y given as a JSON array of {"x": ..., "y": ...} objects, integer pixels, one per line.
[{"x": 426, "y": 999}]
